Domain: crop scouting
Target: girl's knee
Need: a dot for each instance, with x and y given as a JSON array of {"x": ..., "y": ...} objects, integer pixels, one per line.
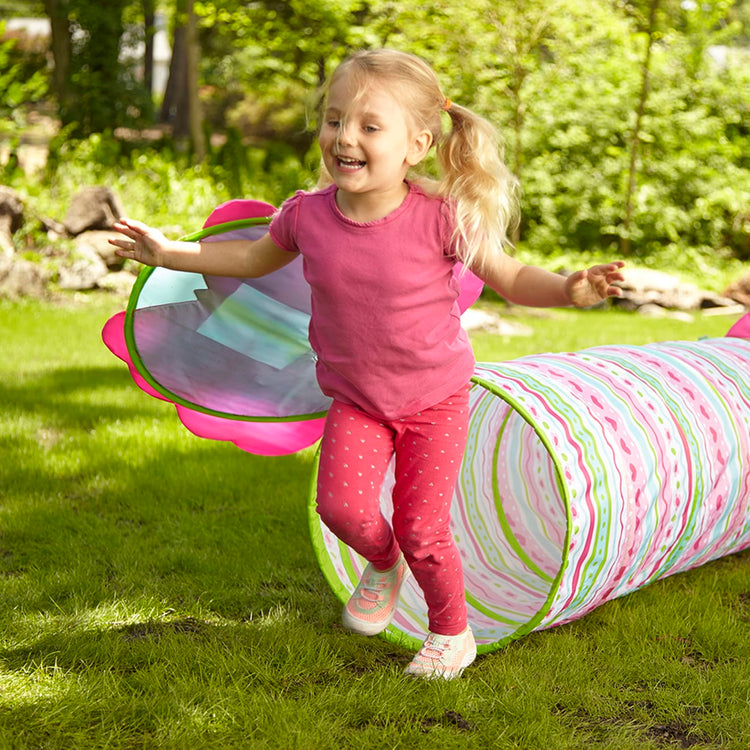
[{"x": 419, "y": 543}]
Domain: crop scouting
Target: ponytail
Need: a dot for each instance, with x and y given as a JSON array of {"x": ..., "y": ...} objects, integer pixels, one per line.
[{"x": 480, "y": 185}]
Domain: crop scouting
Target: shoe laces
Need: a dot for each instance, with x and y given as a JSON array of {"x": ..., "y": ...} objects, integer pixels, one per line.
[
  {"x": 434, "y": 647},
  {"x": 372, "y": 586}
]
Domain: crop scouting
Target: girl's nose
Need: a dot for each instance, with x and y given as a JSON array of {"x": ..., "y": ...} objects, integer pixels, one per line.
[{"x": 346, "y": 135}]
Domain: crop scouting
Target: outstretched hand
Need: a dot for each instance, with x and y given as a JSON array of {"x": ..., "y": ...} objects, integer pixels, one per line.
[
  {"x": 144, "y": 244},
  {"x": 592, "y": 285}
]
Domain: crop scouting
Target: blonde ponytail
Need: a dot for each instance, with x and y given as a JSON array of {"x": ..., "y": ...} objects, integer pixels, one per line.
[{"x": 483, "y": 189}]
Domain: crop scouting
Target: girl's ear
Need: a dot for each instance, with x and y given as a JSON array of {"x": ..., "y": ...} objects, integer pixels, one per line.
[{"x": 420, "y": 145}]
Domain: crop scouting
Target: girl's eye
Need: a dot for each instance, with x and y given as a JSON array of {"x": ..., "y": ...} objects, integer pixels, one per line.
[
  {"x": 370, "y": 129},
  {"x": 333, "y": 123}
]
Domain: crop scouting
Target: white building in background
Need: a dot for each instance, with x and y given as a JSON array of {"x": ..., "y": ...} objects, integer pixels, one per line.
[
  {"x": 162, "y": 56},
  {"x": 31, "y": 26}
]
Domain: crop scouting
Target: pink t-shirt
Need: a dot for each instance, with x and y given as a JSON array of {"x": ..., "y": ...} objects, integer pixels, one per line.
[{"x": 385, "y": 324}]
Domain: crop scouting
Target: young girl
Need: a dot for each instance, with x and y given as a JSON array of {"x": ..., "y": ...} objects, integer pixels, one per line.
[{"x": 378, "y": 253}]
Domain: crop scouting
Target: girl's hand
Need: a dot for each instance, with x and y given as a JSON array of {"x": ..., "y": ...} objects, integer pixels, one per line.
[
  {"x": 592, "y": 285},
  {"x": 145, "y": 244}
]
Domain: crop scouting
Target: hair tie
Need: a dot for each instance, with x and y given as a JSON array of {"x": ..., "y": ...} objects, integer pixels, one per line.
[{"x": 447, "y": 104}]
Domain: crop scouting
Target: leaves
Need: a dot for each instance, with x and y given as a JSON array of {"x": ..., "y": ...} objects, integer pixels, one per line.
[{"x": 560, "y": 79}]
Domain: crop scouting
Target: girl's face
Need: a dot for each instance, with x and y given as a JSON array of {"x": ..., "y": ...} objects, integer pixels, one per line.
[{"x": 366, "y": 141}]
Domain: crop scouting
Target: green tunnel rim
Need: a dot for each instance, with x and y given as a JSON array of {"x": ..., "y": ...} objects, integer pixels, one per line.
[{"x": 137, "y": 360}]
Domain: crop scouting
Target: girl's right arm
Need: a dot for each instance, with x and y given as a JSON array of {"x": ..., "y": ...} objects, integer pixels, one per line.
[{"x": 240, "y": 258}]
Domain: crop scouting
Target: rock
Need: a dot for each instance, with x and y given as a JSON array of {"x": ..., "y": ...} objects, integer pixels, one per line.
[
  {"x": 119, "y": 282},
  {"x": 711, "y": 300},
  {"x": 22, "y": 278},
  {"x": 92, "y": 208},
  {"x": 84, "y": 270},
  {"x": 739, "y": 290},
  {"x": 651, "y": 310},
  {"x": 480, "y": 320},
  {"x": 54, "y": 229},
  {"x": 11, "y": 218},
  {"x": 643, "y": 286},
  {"x": 97, "y": 241}
]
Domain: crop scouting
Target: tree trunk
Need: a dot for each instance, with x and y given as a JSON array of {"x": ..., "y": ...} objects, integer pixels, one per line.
[
  {"x": 195, "y": 116},
  {"x": 181, "y": 106},
  {"x": 57, "y": 10},
  {"x": 518, "y": 119},
  {"x": 635, "y": 138},
  {"x": 149, "y": 29},
  {"x": 174, "y": 105}
]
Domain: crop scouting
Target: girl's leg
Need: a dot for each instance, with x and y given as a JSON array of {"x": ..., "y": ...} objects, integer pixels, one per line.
[
  {"x": 354, "y": 454},
  {"x": 429, "y": 450}
]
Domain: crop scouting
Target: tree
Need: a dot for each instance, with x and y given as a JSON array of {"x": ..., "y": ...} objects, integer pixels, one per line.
[
  {"x": 635, "y": 136},
  {"x": 95, "y": 92},
  {"x": 264, "y": 61},
  {"x": 149, "y": 30},
  {"x": 62, "y": 52},
  {"x": 522, "y": 31},
  {"x": 181, "y": 105},
  {"x": 19, "y": 83}
]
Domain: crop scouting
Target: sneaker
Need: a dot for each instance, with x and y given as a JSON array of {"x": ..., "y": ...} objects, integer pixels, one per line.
[
  {"x": 444, "y": 656},
  {"x": 370, "y": 609}
]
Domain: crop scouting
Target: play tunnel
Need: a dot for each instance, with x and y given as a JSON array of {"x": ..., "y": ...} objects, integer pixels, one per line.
[{"x": 587, "y": 475}]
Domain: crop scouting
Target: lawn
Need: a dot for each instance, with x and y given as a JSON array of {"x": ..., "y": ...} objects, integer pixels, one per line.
[{"x": 161, "y": 591}]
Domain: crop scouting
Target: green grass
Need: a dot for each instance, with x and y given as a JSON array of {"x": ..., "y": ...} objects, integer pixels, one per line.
[{"x": 161, "y": 591}]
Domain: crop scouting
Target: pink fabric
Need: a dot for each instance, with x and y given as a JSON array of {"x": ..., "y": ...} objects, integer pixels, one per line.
[
  {"x": 428, "y": 446},
  {"x": 113, "y": 335},
  {"x": 239, "y": 208},
  {"x": 741, "y": 329},
  {"x": 385, "y": 320}
]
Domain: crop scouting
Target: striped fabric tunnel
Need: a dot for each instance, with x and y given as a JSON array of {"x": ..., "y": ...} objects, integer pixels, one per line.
[{"x": 587, "y": 476}]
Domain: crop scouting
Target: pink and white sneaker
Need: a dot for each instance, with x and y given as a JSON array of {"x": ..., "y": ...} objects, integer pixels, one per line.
[
  {"x": 444, "y": 656},
  {"x": 370, "y": 609}
]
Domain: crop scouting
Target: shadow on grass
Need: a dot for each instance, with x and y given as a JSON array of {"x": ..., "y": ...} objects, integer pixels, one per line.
[
  {"x": 106, "y": 494},
  {"x": 77, "y": 397}
]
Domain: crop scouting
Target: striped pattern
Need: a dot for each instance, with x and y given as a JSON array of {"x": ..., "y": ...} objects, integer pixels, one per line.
[{"x": 587, "y": 475}]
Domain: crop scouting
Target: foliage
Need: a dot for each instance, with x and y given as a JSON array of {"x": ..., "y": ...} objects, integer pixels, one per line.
[
  {"x": 101, "y": 90},
  {"x": 264, "y": 62},
  {"x": 532, "y": 69},
  {"x": 579, "y": 109},
  {"x": 159, "y": 182},
  {"x": 561, "y": 80},
  {"x": 22, "y": 82}
]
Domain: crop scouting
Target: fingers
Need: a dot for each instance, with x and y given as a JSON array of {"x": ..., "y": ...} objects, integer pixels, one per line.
[
  {"x": 135, "y": 231},
  {"x": 607, "y": 274},
  {"x": 132, "y": 228},
  {"x": 122, "y": 252},
  {"x": 124, "y": 248}
]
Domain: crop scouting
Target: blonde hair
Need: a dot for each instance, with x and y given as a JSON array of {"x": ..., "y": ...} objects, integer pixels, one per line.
[{"x": 474, "y": 176}]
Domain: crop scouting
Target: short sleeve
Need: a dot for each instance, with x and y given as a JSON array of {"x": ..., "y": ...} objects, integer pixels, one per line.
[{"x": 283, "y": 228}]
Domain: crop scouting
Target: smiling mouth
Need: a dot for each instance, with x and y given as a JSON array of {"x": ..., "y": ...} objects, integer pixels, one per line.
[{"x": 346, "y": 163}]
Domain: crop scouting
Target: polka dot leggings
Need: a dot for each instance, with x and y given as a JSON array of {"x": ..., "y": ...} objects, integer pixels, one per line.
[{"x": 428, "y": 447}]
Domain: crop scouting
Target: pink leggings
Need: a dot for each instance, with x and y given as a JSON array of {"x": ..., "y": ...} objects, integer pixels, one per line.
[{"x": 428, "y": 446}]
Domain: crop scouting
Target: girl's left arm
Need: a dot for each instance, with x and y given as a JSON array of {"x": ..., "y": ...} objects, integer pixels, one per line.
[{"x": 534, "y": 287}]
